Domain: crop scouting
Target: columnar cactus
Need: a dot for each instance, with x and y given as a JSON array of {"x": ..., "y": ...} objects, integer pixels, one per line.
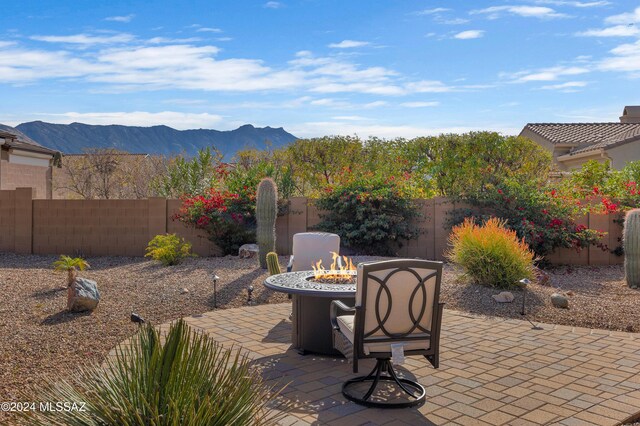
[
  {"x": 266, "y": 211},
  {"x": 273, "y": 266},
  {"x": 631, "y": 243}
]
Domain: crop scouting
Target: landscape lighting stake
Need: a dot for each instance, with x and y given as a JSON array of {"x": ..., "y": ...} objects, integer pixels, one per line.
[
  {"x": 249, "y": 293},
  {"x": 137, "y": 319},
  {"x": 524, "y": 283},
  {"x": 215, "y": 297}
]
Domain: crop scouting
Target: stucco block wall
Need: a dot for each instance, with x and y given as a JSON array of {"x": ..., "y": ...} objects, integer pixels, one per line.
[
  {"x": 14, "y": 176},
  {"x": 124, "y": 227}
]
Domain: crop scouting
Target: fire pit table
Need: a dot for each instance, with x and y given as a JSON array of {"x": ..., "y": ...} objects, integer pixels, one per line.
[{"x": 311, "y": 300}]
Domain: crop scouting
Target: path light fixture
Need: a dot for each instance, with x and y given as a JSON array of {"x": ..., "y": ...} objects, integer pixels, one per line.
[
  {"x": 215, "y": 279},
  {"x": 249, "y": 295},
  {"x": 524, "y": 283},
  {"x": 135, "y": 318}
]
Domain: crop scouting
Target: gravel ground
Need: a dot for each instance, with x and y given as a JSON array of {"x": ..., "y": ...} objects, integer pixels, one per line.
[{"x": 39, "y": 339}]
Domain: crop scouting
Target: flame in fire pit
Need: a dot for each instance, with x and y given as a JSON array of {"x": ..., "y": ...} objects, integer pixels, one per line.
[{"x": 337, "y": 271}]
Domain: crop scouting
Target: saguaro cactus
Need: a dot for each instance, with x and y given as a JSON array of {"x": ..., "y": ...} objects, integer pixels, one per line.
[
  {"x": 631, "y": 243},
  {"x": 272, "y": 263},
  {"x": 266, "y": 212}
]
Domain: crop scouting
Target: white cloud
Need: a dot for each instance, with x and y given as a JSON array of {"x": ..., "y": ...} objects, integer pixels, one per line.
[
  {"x": 177, "y": 120},
  {"x": 625, "y": 18},
  {"x": 163, "y": 64},
  {"x": 165, "y": 40},
  {"x": 545, "y": 74},
  {"x": 615, "y": 31},
  {"x": 626, "y": 58},
  {"x": 469, "y": 34},
  {"x": 350, "y": 118},
  {"x": 452, "y": 21},
  {"x": 85, "y": 39},
  {"x": 319, "y": 128},
  {"x": 347, "y": 44},
  {"x": 428, "y": 86},
  {"x": 567, "y": 85},
  {"x": 540, "y": 12},
  {"x": 431, "y": 11},
  {"x": 209, "y": 30},
  {"x": 579, "y": 4},
  {"x": 125, "y": 19},
  {"x": 273, "y": 5},
  {"x": 374, "y": 104},
  {"x": 420, "y": 104}
]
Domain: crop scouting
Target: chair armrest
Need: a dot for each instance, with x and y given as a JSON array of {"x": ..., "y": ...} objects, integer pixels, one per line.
[
  {"x": 333, "y": 312},
  {"x": 290, "y": 264}
]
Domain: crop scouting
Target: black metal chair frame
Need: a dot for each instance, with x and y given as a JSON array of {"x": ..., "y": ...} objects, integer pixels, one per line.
[{"x": 383, "y": 370}]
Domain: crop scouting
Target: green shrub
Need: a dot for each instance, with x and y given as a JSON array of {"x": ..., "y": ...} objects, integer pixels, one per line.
[
  {"x": 168, "y": 249},
  {"x": 185, "y": 379},
  {"x": 491, "y": 254},
  {"x": 371, "y": 216}
]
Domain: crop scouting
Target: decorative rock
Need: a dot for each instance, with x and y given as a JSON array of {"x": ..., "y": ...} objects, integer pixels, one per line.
[
  {"x": 84, "y": 295},
  {"x": 503, "y": 297},
  {"x": 541, "y": 277},
  {"x": 248, "y": 251},
  {"x": 559, "y": 301}
]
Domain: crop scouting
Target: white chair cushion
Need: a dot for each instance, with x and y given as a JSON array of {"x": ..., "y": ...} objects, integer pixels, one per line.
[
  {"x": 347, "y": 327},
  {"x": 309, "y": 247}
]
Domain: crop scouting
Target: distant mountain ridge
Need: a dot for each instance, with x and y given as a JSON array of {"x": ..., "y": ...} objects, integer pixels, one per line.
[{"x": 74, "y": 138}]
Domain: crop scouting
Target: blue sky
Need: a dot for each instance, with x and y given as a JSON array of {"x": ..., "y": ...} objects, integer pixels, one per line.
[{"x": 320, "y": 67}]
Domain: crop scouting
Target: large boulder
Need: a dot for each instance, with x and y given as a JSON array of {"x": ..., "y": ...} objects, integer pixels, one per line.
[
  {"x": 560, "y": 301},
  {"x": 503, "y": 297},
  {"x": 248, "y": 251},
  {"x": 83, "y": 295}
]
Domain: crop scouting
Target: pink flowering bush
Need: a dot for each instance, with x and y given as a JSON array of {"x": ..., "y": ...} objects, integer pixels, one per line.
[
  {"x": 228, "y": 217},
  {"x": 540, "y": 216}
]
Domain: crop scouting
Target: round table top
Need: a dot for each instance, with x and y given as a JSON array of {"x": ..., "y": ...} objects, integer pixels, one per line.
[{"x": 297, "y": 283}]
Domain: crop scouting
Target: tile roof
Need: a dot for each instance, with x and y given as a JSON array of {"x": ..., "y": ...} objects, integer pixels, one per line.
[
  {"x": 14, "y": 138},
  {"x": 586, "y": 136}
]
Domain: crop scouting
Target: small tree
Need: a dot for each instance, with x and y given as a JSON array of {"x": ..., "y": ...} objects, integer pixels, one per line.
[{"x": 71, "y": 265}]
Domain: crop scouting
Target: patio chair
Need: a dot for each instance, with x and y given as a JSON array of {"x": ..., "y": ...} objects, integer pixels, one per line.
[
  {"x": 309, "y": 247},
  {"x": 397, "y": 306}
]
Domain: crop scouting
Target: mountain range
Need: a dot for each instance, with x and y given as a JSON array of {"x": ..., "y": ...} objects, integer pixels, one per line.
[{"x": 75, "y": 138}]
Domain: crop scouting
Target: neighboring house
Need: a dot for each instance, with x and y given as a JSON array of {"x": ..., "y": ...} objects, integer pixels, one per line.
[
  {"x": 25, "y": 163},
  {"x": 573, "y": 144}
]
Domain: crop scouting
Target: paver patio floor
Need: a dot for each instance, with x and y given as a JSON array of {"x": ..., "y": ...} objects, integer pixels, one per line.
[{"x": 492, "y": 371}]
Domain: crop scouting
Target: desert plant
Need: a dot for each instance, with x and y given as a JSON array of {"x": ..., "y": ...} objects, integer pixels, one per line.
[
  {"x": 631, "y": 243},
  {"x": 272, "y": 263},
  {"x": 71, "y": 265},
  {"x": 491, "y": 254},
  {"x": 185, "y": 379},
  {"x": 370, "y": 215},
  {"x": 228, "y": 217},
  {"x": 266, "y": 212},
  {"x": 168, "y": 249}
]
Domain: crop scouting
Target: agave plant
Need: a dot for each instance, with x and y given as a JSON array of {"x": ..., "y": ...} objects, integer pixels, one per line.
[
  {"x": 71, "y": 265},
  {"x": 187, "y": 380}
]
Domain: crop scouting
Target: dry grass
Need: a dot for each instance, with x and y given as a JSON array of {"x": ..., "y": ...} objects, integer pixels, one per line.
[{"x": 39, "y": 338}]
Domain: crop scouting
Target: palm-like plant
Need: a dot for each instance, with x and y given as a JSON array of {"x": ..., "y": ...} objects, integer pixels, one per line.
[
  {"x": 187, "y": 380},
  {"x": 71, "y": 265}
]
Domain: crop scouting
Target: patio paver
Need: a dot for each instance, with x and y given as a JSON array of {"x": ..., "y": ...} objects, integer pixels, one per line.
[{"x": 492, "y": 371}]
